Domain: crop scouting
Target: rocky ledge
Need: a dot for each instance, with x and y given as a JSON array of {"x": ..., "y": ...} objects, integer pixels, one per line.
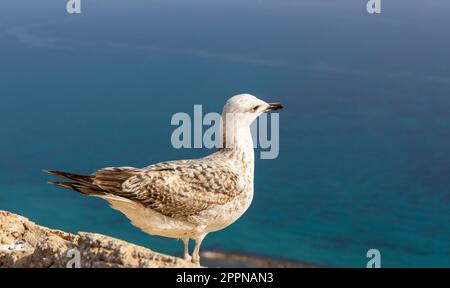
[{"x": 24, "y": 244}]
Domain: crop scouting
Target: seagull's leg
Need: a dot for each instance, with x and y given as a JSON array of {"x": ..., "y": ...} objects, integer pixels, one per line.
[
  {"x": 186, "y": 255},
  {"x": 196, "y": 252}
]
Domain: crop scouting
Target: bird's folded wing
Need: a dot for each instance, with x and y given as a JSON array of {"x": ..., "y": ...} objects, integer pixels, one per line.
[{"x": 176, "y": 189}]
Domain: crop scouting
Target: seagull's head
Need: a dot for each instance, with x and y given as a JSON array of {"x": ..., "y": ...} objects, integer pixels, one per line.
[{"x": 245, "y": 108}]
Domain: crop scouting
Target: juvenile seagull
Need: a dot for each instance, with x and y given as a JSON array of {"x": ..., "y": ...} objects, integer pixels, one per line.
[{"x": 185, "y": 199}]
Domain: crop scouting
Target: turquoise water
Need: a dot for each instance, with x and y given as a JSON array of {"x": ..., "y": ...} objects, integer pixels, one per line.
[{"x": 364, "y": 141}]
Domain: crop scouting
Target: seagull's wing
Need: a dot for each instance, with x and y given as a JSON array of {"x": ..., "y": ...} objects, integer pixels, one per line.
[{"x": 176, "y": 189}]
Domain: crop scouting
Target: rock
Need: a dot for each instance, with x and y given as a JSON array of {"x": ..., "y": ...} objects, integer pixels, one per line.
[{"x": 24, "y": 244}]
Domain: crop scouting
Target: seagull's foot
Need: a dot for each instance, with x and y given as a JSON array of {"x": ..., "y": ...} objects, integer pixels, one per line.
[
  {"x": 195, "y": 261},
  {"x": 196, "y": 252},
  {"x": 187, "y": 257},
  {"x": 195, "y": 257}
]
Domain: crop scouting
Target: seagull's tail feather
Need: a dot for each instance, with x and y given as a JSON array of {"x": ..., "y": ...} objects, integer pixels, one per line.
[
  {"x": 79, "y": 187},
  {"x": 81, "y": 183},
  {"x": 71, "y": 176}
]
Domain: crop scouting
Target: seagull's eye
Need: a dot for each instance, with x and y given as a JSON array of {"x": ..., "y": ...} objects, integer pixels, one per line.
[{"x": 254, "y": 109}]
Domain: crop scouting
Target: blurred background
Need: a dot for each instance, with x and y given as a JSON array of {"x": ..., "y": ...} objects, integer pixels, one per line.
[{"x": 364, "y": 138}]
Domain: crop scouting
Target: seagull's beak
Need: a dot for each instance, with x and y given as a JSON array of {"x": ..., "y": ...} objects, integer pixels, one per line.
[{"x": 274, "y": 106}]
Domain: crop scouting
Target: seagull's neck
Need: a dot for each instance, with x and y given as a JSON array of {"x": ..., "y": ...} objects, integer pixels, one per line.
[{"x": 238, "y": 146}]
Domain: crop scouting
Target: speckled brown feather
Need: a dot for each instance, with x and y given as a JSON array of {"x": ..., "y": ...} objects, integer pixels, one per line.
[{"x": 177, "y": 189}]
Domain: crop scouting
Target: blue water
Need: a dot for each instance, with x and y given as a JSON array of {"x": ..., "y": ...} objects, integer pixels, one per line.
[{"x": 365, "y": 137}]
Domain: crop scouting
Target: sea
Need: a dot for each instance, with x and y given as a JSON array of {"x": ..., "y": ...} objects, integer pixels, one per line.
[{"x": 364, "y": 138}]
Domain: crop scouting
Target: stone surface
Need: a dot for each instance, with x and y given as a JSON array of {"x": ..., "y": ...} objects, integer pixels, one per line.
[{"x": 25, "y": 244}]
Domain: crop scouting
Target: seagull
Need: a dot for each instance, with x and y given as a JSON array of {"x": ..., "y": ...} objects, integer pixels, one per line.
[{"x": 185, "y": 199}]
